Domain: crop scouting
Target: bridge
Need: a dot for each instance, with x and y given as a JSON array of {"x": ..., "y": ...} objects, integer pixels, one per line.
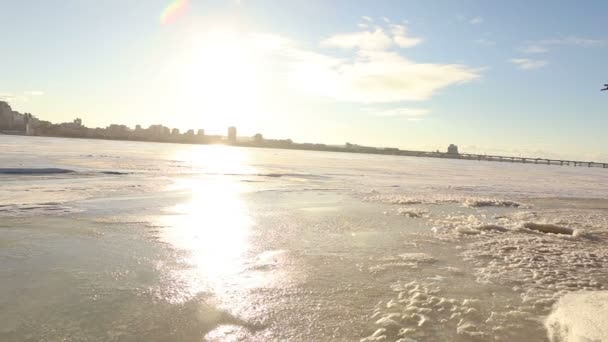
[{"x": 510, "y": 159}]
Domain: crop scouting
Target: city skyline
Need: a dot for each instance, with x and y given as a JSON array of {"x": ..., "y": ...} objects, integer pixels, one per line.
[
  {"x": 16, "y": 123},
  {"x": 495, "y": 79}
]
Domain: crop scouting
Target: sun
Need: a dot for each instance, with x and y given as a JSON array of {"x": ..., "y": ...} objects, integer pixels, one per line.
[{"x": 220, "y": 79}]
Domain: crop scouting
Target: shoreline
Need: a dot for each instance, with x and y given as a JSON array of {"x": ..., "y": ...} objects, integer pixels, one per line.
[{"x": 360, "y": 150}]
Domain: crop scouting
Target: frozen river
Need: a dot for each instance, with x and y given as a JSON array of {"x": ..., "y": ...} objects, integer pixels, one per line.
[{"x": 132, "y": 241}]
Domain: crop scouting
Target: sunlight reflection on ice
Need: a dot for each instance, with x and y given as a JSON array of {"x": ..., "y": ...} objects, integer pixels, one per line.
[
  {"x": 216, "y": 159},
  {"x": 213, "y": 226}
]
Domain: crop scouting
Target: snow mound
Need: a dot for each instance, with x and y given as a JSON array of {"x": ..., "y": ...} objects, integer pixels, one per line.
[
  {"x": 412, "y": 212},
  {"x": 579, "y": 317}
]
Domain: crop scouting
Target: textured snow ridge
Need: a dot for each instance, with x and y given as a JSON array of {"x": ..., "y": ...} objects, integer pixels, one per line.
[
  {"x": 420, "y": 311},
  {"x": 465, "y": 201}
]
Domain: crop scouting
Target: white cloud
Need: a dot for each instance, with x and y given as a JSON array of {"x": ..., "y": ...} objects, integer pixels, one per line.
[
  {"x": 528, "y": 64},
  {"x": 364, "y": 40},
  {"x": 476, "y": 20},
  {"x": 380, "y": 38},
  {"x": 375, "y": 73},
  {"x": 377, "y": 77},
  {"x": 368, "y": 19},
  {"x": 401, "y": 38},
  {"x": 534, "y": 48}
]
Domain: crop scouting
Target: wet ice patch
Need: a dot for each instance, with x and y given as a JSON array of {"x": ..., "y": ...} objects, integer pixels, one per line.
[
  {"x": 404, "y": 260},
  {"x": 54, "y": 208},
  {"x": 33, "y": 171},
  {"x": 579, "y": 316},
  {"x": 478, "y": 203}
]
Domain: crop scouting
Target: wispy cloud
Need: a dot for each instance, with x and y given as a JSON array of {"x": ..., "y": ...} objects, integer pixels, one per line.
[
  {"x": 574, "y": 41},
  {"x": 7, "y": 97},
  {"x": 22, "y": 96},
  {"x": 486, "y": 42},
  {"x": 528, "y": 64},
  {"x": 476, "y": 20},
  {"x": 544, "y": 45}
]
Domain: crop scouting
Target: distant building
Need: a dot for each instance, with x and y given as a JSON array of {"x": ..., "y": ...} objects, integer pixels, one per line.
[
  {"x": 452, "y": 149},
  {"x": 30, "y": 123},
  {"x": 232, "y": 134},
  {"x": 175, "y": 131},
  {"x": 115, "y": 131},
  {"x": 258, "y": 138},
  {"x": 11, "y": 120},
  {"x": 155, "y": 131},
  {"x": 190, "y": 132},
  {"x": 201, "y": 132}
]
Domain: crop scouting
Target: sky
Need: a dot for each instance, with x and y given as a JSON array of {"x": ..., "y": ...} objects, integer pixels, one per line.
[{"x": 508, "y": 77}]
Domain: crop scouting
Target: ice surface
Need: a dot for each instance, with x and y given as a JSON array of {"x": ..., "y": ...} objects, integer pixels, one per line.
[
  {"x": 453, "y": 250},
  {"x": 579, "y": 317}
]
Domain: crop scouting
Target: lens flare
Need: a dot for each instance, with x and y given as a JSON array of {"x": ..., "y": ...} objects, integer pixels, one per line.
[{"x": 173, "y": 10}]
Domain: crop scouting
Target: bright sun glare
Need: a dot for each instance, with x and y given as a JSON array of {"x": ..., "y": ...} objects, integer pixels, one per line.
[{"x": 221, "y": 78}]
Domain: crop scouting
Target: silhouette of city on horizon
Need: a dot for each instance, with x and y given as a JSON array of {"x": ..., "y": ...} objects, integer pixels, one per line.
[{"x": 16, "y": 123}]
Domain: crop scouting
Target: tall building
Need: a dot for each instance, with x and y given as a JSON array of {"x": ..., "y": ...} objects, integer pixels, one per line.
[
  {"x": 231, "y": 134},
  {"x": 452, "y": 149}
]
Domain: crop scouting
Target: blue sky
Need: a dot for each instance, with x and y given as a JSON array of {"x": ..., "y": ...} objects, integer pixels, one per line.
[{"x": 516, "y": 77}]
